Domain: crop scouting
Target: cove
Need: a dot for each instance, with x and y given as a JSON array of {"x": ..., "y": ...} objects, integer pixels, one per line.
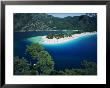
[{"x": 65, "y": 55}]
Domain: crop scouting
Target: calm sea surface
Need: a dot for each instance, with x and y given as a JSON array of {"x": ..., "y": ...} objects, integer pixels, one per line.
[{"x": 65, "y": 55}]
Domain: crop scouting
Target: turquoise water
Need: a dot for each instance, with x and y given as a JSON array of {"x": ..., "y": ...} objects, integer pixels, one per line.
[
  {"x": 71, "y": 53},
  {"x": 65, "y": 55}
]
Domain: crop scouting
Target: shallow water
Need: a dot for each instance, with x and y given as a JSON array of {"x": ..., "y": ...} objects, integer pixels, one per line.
[{"x": 65, "y": 55}]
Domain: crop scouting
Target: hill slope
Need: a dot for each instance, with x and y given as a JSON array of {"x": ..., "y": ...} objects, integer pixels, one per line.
[{"x": 43, "y": 22}]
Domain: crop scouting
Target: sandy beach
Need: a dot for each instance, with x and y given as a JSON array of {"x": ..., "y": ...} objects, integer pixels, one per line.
[{"x": 66, "y": 39}]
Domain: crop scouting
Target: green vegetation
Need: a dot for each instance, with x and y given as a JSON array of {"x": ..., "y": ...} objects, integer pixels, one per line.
[
  {"x": 21, "y": 66},
  {"x": 45, "y": 64},
  {"x": 44, "y": 60},
  {"x": 34, "y": 50},
  {"x": 43, "y": 22},
  {"x": 62, "y": 35},
  {"x": 89, "y": 68}
]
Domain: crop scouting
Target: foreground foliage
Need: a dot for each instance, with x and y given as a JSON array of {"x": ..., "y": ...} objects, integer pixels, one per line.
[
  {"x": 45, "y": 65},
  {"x": 21, "y": 66}
]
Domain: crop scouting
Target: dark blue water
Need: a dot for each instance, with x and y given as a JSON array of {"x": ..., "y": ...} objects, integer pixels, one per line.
[{"x": 65, "y": 55}]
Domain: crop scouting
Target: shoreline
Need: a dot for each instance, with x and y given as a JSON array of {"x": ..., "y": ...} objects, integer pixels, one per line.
[
  {"x": 44, "y": 30},
  {"x": 66, "y": 39}
]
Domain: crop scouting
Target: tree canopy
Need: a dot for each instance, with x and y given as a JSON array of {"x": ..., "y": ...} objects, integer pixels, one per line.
[
  {"x": 41, "y": 21},
  {"x": 45, "y": 65},
  {"x": 21, "y": 66}
]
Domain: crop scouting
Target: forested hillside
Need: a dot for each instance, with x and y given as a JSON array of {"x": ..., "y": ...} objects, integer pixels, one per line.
[{"x": 43, "y": 22}]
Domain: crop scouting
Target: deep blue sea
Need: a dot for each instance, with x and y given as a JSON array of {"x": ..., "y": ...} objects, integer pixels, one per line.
[{"x": 65, "y": 55}]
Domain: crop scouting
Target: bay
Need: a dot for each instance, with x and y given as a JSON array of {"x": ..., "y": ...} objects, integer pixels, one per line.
[{"x": 65, "y": 55}]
